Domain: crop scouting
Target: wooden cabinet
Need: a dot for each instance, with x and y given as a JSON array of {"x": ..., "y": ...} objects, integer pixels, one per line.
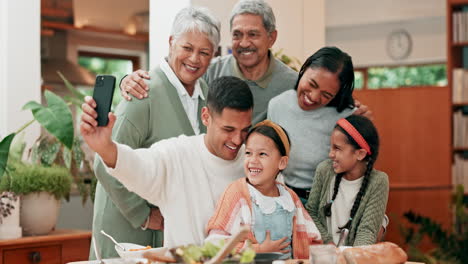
[{"x": 59, "y": 247}]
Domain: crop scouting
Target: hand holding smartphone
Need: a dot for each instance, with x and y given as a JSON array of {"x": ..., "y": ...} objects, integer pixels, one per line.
[{"x": 102, "y": 94}]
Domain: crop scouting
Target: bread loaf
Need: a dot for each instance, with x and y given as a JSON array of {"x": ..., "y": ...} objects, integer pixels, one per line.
[{"x": 381, "y": 253}]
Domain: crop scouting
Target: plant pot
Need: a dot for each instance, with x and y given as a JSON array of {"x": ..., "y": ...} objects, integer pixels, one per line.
[
  {"x": 39, "y": 212},
  {"x": 10, "y": 226}
]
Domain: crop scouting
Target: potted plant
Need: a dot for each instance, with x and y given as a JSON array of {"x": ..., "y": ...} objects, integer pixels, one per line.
[
  {"x": 58, "y": 145},
  {"x": 41, "y": 189},
  {"x": 55, "y": 159},
  {"x": 293, "y": 62},
  {"x": 451, "y": 245}
]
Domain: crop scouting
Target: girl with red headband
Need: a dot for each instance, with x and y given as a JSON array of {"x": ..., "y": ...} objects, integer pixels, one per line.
[
  {"x": 277, "y": 219},
  {"x": 347, "y": 191}
]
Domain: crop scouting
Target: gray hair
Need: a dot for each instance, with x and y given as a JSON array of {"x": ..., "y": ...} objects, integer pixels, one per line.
[
  {"x": 200, "y": 19},
  {"x": 256, "y": 7}
]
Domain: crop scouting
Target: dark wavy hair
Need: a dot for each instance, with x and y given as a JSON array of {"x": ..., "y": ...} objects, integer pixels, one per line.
[
  {"x": 229, "y": 92},
  {"x": 335, "y": 61},
  {"x": 368, "y": 131},
  {"x": 269, "y": 132}
]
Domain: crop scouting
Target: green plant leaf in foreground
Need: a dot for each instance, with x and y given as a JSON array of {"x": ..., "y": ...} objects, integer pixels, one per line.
[
  {"x": 4, "y": 150},
  {"x": 79, "y": 95},
  {"x": 55, "y": 118}
]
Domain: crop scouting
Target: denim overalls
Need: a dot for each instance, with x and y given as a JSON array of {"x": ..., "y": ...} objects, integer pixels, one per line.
[{"x": 274, "y": 214}]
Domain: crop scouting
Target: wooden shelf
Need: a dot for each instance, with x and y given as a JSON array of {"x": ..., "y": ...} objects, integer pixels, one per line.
[
  {"x": 457, "y": 2},
  {"x": 459, "y": 105},
  {"x": 460, "y": 149},
  {"x": 460, "y": 44},
  {"x": 64, "y": 26},
  {"x": 456, "y": 53}
]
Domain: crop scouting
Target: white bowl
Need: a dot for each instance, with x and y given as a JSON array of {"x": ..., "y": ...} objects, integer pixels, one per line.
[{"x": 136, "y": 254}]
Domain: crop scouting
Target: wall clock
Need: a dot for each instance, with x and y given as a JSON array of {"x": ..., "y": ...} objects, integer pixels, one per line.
[{"x": 399, "y": 44}]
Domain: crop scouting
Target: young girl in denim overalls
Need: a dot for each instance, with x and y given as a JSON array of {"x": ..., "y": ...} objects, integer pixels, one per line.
[{"x": 277, "y": 219}]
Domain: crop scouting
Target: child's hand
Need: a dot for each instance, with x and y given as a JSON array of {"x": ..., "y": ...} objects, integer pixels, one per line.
[{"x": 269, "y": 245}]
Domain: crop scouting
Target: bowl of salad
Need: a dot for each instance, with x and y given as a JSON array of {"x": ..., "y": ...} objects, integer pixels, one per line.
[{"x": 193, "y": 254}]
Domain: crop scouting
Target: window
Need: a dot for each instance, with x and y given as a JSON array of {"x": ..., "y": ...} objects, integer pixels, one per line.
[
  {"x": 359, "y": 79},
  {"x": 117, "y": 65},
  {"x": 374, "y": 78}
]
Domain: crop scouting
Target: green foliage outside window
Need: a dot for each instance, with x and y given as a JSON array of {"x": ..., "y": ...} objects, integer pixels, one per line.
[
  {"x": 358, "y": 80},
  {"x": 116, "y": 67},
  {"x": 404, "y": 76}
]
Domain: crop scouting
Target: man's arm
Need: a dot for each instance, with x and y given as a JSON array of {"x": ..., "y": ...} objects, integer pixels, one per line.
[
  {"x": 131, "y": 206},
  {"x": 143, "y": 171}
]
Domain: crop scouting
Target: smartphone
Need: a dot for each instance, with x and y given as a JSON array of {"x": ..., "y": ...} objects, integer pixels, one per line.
[{"x": 102, "y": 94}]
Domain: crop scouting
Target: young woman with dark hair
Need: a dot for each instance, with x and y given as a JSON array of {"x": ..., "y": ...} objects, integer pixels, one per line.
[
  {"x": 322, "y": 95},
  {"x": 347, "y": 191}
]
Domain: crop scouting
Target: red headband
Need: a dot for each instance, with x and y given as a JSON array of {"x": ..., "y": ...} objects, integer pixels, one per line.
[{"x": 352, "y": 131}]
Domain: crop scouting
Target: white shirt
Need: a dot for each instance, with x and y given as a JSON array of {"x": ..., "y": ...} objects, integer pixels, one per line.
[
  {"x": 182, "y": 178},
  {"x": 341, "y": 207},
  {"x": 190, "y": 103}
]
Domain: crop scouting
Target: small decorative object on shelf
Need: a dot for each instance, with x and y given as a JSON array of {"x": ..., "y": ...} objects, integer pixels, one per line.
[
  {"x": 7, "y": 204},
  {"x": 9, "y": 216}
]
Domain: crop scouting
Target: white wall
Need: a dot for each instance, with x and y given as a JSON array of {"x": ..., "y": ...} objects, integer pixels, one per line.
[
  {"x": 367, "y": 43},
  {"x": 362, "y": 12},
  {"x": 162, "y": 15},
  {"x": 300, "y": 24},
  {"x": 20, "y": 68},
  {"x": 362, "y": 27},
  {"x": 359, "y": 27}
]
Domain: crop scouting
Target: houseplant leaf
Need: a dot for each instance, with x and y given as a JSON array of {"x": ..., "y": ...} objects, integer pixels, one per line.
[
  {"x": 55, "y": 118},
  {"x": 4, "y": 149},
  {"x": 73, "y": 100},
  {"x": 32, "y": 105},
  {"x": 79, "y": 95}
]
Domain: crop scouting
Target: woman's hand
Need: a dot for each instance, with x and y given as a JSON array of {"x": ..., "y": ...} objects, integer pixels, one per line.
[
  {"x": 98, "y": 138},
  {"x": 135, "y": 85},
  {"x": 269, "y": 245},
  {"x": 156, "y": 220},
  {"x": 362, "y": 110}
]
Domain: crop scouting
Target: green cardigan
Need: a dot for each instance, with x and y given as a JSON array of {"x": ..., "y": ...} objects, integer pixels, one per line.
[
  {"x": 140, "y": 123},
  {"x": 368, "y": 219}
]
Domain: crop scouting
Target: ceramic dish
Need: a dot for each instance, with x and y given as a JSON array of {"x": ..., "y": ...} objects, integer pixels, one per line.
[{"x": 135, "y": 254}]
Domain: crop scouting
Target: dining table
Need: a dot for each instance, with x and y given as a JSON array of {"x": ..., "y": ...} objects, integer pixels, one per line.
[
  {"x": 289, "y": 261},
  {"x": 306, "y": 261}
]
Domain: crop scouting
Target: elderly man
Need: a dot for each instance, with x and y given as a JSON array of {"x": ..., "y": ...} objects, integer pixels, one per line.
[{"x": 253, "y": 31}]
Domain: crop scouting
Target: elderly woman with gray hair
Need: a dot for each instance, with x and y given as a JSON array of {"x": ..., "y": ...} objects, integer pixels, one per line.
[{"x": 170, "y": 107}]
